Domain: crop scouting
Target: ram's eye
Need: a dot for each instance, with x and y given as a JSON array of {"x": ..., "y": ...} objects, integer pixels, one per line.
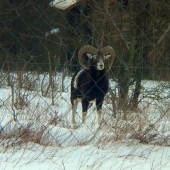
[{"x": 107, "y": 56}]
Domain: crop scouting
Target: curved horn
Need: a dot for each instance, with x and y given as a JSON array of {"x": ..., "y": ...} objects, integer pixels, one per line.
[
  {"x": 109, "y": 50},
  {"x": 86, "y": 49}
]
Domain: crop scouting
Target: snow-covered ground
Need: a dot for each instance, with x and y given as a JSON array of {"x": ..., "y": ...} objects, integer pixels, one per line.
[
  {"x": 119, "y": 156},
  {"x": 42, "y": 136}
]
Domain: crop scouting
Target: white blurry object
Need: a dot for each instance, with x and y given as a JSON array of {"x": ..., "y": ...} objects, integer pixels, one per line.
[
  {"x": 53, "y": 31},
  {"x": 63, "y": 4}
]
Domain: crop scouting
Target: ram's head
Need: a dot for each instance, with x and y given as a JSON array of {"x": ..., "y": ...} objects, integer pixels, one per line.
[{"x": 97, "y": 56}]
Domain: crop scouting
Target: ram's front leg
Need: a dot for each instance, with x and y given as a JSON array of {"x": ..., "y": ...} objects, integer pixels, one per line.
[
  {"x": 99, "y": 103},
  {"x": 85, "y": 104},
  {"x": 74, "y": 107}
]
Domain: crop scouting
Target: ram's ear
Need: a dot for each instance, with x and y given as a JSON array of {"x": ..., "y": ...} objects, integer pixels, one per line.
[
  {"x": 89, "y": 55},
  {"x": 107, "y": 56}
]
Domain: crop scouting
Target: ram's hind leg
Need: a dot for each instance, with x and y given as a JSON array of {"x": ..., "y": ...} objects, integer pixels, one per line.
[
  {"x": 99, "y": 112},
  {"x": 85, "y": 104}
]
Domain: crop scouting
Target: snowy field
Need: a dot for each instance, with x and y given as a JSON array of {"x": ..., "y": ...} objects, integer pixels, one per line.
[{"x": 42, "y": 137}]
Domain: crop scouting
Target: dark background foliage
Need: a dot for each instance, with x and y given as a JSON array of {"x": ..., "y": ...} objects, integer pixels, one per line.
[{"x": 138, "y": 30}]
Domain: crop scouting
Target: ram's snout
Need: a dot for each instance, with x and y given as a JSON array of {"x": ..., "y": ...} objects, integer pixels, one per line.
[{"x": 100, "y": 64}]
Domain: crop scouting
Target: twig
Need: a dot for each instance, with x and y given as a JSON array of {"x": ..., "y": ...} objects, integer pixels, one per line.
[{"x": 63, "y": 165}]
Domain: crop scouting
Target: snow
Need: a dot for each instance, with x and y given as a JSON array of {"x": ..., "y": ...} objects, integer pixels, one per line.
[
  {"x": 111, "y": 146},
  {"x": 119, "y": 156}
]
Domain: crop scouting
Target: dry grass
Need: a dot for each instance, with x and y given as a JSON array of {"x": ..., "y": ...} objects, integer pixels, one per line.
[{"x": 149, "y": 124}]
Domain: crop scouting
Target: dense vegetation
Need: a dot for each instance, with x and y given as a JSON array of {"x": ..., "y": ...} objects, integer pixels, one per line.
[{"x": 138, "y": 30}]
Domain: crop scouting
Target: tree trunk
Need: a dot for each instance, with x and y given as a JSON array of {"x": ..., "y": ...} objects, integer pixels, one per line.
[{"x": 124, "y": 82}]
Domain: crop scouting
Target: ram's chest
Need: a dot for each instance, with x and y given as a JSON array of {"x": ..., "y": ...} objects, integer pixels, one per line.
[{"x": 98, "y": 89}]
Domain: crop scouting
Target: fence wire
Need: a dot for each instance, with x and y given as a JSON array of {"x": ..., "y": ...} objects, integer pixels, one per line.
[{"x": 39, "y": 48}]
